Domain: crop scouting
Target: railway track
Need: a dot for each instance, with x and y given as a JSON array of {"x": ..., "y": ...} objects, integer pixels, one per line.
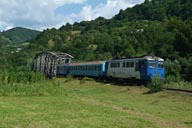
[{"x": 179, "y": 90}]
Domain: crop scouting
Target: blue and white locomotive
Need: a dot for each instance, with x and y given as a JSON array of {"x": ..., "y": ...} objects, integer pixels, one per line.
[{"x": 143, "y": 68}]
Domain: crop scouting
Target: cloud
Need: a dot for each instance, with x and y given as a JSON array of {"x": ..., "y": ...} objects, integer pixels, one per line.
[
  {"x": 36, "y": 14},
  {"x": 40, "y": 14},
  {"x": 107, "y": 10}
]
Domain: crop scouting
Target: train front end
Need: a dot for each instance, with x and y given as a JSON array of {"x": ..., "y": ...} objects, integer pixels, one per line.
[{"x": 152, "y": 67}]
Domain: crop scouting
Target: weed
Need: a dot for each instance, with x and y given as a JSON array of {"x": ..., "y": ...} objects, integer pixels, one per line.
[{"x": 155, "y": 85}]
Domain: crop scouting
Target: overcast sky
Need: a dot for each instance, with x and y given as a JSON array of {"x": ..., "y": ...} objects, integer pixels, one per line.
[{"x": 42, "y": 14}]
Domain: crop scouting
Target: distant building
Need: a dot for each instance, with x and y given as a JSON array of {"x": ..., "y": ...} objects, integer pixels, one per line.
[{"x": 46, "y": 62}]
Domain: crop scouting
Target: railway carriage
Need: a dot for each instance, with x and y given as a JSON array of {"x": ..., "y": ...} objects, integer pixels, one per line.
[
  {"x": 136, "y": 68},
  {"x": 90, "y": 69}
]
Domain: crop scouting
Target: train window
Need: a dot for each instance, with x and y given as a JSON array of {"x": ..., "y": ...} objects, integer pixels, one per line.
[
  {"x": 151, "y": 64},
  {"x": 95, "y": 68},
  {"x": 111, "y": 65},
  {"x": 114, "y": 65},
  {"x": 160, "y": 64},
  {"x": 98, "y": 68},
  {"x": 123, "y": 64},
  {"x": 131, "y": 64},
  {"x": 127, "y": 64}
]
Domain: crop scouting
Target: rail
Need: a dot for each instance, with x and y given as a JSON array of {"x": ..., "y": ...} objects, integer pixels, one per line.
[{"x": 179, "y": 90}]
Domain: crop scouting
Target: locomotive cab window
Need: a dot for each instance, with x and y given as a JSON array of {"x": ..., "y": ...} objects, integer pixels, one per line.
[
  {"x": 151, "y": 64},
  {"x": 160, "y": 64}
]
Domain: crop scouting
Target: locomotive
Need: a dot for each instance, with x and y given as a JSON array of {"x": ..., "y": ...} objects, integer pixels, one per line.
[{"x": 141, "y": 68}]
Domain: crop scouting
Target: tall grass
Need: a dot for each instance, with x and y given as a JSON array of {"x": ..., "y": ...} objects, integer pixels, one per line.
[
  {"x": 179, "y": 85},
  {"x": 27, "y": 84},
  {"x": 177, "y": 82},
  {"x": 33, "y": 89},
  {"x": 21, "y": 77}
]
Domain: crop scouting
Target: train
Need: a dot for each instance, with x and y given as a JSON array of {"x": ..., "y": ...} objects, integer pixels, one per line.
[{"x": 139, "y": 68}]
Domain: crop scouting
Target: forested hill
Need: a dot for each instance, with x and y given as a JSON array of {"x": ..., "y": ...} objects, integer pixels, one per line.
[
  {"x": 160, "y": 27},
  {"x": 158, "y": 10},
  {"x": 18, "y": 34}
]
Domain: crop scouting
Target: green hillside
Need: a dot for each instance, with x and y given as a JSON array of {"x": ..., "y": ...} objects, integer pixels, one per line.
[
  {"x": 158, "y": 10},
  {"x": 18, "y": 34}
]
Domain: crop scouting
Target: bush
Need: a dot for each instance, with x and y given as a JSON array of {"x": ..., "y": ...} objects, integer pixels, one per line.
[{"x": 156, "y": 85}]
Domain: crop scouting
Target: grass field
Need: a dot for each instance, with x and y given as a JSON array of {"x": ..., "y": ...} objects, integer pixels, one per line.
[{"x": 96, "y": 105}]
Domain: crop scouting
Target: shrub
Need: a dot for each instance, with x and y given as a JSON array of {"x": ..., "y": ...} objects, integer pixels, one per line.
[{"x": 156, "y": 85}]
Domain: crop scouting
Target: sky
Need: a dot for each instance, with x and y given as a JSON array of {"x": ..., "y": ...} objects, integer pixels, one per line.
[{"x": 42, "y": 14}]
